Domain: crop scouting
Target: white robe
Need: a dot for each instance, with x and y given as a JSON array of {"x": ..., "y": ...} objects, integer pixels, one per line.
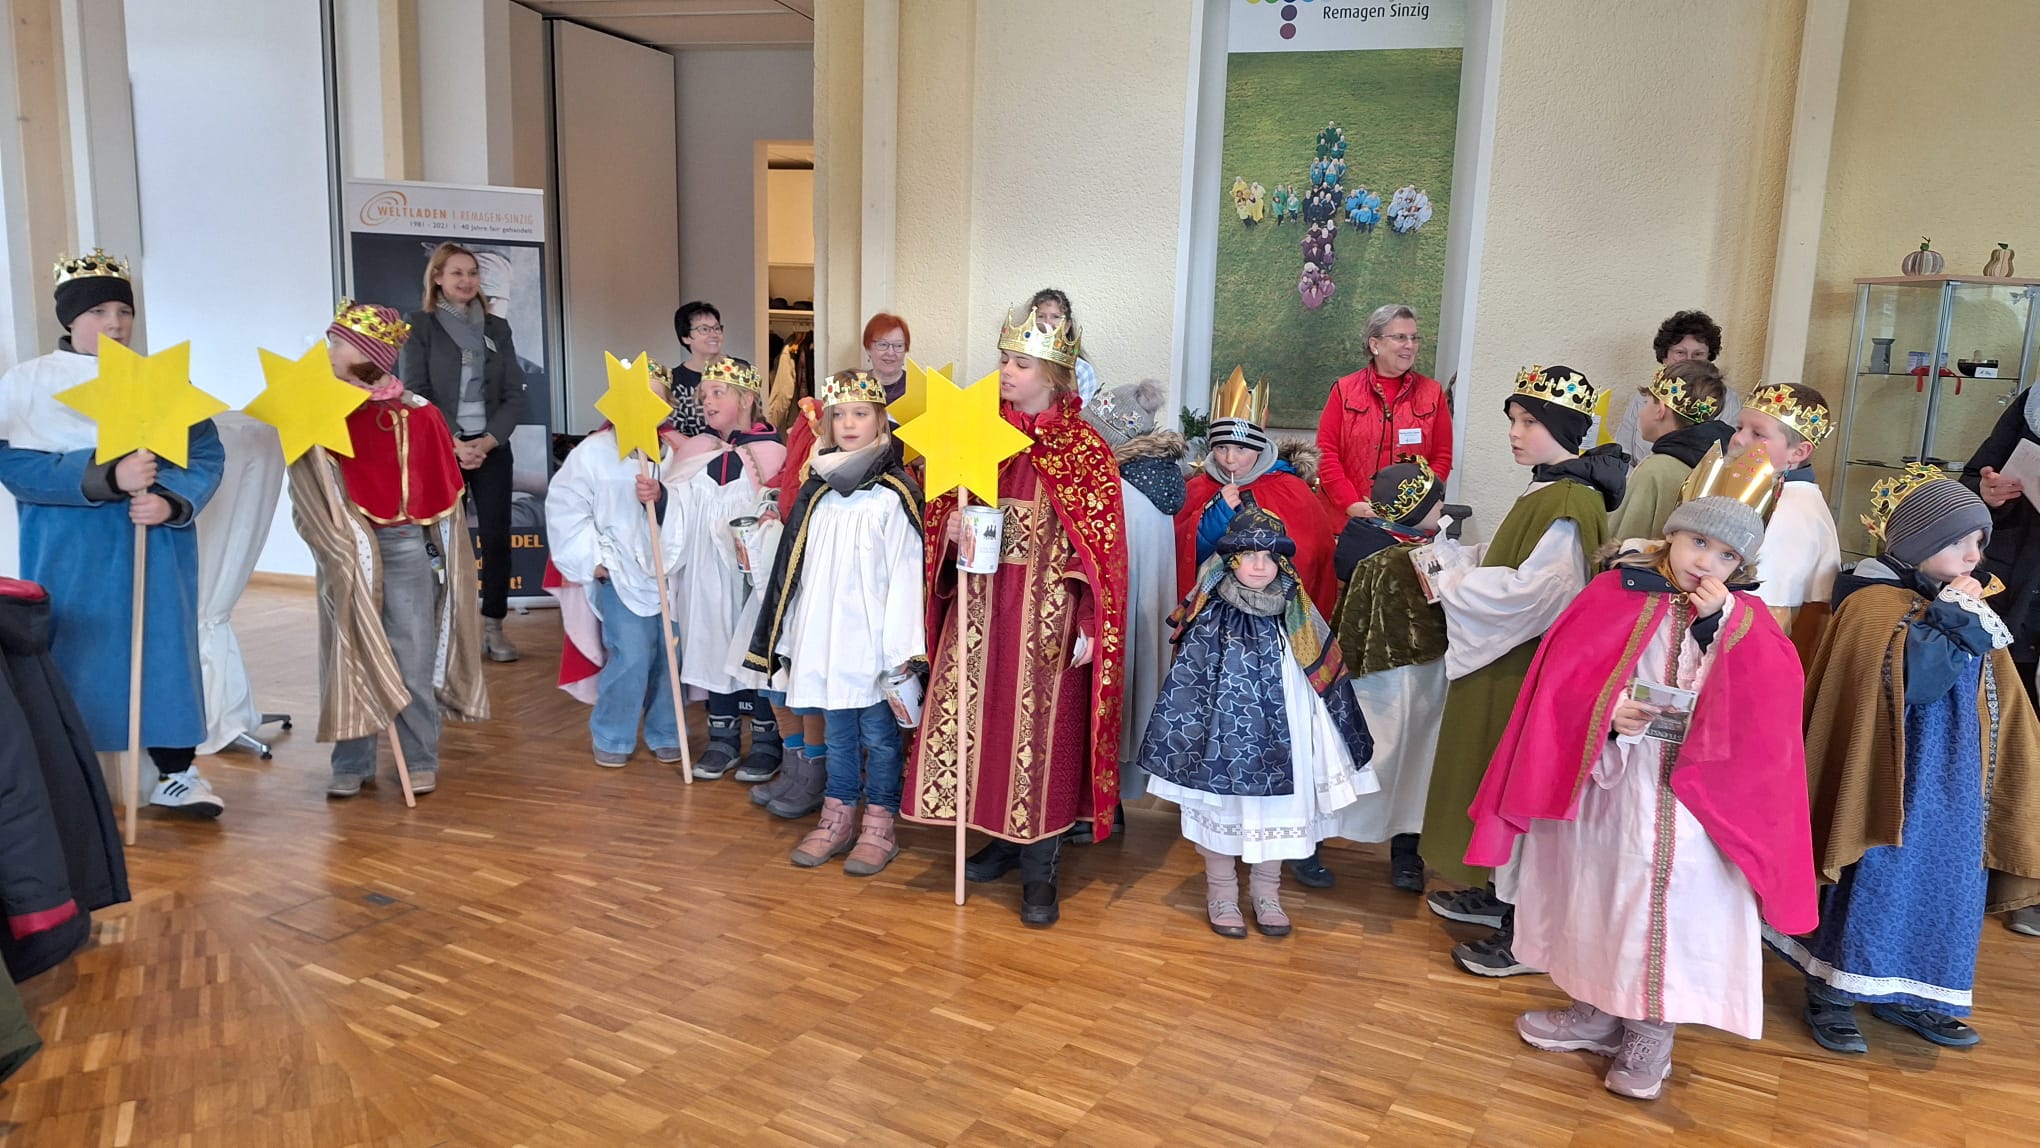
[
  {"x": 1150, "y": 596},
  {"x": 1404, "y": 707},
  {"x": 713, "y": 586},
  {"x": 1490, "y": 610},
  {"x": 1801, "y": 553},
  {"x": 593, "y": 518},
  {"x": 1287, "y": 826},
  {"x": 1583, "y": 891},
  {"x": 857, "y": 613}
]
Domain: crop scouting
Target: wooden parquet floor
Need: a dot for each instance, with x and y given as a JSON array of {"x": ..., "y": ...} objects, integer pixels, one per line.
[{"x": 546, "y": 953}]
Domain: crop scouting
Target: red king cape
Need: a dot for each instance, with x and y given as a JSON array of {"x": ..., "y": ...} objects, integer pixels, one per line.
[
  {"x": 1077, "y": 469},
  {"x": 403, "y": 469},
  {"x": 1302, "y": 513},
  {"x": 1741, "y": 771}
]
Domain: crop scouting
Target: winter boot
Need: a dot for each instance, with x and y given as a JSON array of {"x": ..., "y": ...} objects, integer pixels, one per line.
[
  {"x": 877, "y": 844},
  {"x": 830, "y": 836}
]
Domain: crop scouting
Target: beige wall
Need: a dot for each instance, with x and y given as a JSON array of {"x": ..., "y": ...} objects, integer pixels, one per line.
[
  {"x": 1017, "y": 170},
  {"x": 1954, "y": 159},
  {"x": 1639, "y": 159}
]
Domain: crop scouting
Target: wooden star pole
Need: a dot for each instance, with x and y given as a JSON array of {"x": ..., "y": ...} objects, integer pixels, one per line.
[
  {"x": 140, "y": 405},
  {"x": 964, "y": 439},
  {"x": 635, "y": 411}
]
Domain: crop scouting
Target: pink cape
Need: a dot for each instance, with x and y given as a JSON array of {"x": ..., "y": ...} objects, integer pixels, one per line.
[{"x": 1741, "y": 771}]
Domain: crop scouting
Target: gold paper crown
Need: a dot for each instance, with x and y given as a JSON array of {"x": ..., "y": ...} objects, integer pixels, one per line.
[
  {"x": 364, "y": 319},
  {"x": 851, "y": 387},
  {"x": 731, "y": 373},
  {"x": 1235, "y": 401},
  {"x": 1412, "y": 491},
  {"x": 1675, "y": 394},
  {"x": 1057, "y": 345},
  {"x": 1570, "y": 390},
  {"x": 1750, "y": 478},
  {"x": 1811, "y": 421},
  {"x": 1887, "y": 493},
  {"x": 661, "y": 373},
  {"x": 99, "y": 263}
]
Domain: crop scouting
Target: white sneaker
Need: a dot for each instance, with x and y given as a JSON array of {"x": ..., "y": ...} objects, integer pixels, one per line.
[{"x": 187, "y": 792}]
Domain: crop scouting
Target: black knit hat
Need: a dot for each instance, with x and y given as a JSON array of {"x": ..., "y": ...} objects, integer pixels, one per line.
[{"x": 77, "y": 296}]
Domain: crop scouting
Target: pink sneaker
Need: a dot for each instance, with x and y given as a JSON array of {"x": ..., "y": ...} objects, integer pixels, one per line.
[
  {"x": 1581, "y": 1028},
  {"x": 1645, "y": 1061}
]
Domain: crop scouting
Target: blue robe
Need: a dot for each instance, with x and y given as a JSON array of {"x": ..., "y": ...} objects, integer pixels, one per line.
[{"x": 83, "y": 553}]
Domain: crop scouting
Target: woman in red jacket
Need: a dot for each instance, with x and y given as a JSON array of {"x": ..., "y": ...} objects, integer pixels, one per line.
[{"x": 1380, "y": 411}]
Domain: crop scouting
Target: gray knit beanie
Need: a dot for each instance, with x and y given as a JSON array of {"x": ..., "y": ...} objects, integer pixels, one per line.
[
  {"x": 1722, "y": 519},
  {"x": 1125, "y": 413},
  {"x": 1934, "y": 515}
]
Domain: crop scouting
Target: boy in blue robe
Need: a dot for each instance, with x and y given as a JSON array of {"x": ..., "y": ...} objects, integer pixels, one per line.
[{"x": 77, "y": 538}]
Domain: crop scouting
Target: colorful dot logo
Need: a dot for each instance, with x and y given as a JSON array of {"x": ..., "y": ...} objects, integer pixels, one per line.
[{"x": 1288, "y": 17}]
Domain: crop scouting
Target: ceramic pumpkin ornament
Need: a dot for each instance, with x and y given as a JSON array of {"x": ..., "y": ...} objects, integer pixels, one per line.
[
  {"x": 1925, "y": 261},
  {"x": 1999, "y": 265}
]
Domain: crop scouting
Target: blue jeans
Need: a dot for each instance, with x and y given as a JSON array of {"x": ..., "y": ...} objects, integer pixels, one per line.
[
  {"x": 633, "y": 683},
  {"x": 874, "y": 773}
]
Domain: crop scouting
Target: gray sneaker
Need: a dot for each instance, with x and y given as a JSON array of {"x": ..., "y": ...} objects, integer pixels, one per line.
[
  {"x": 1468, "y": 906},
  {"x": 347, "y": 784},
  {"x": 1581, "y": 1028},
  {"x": 1640, "y": 1069},
  {"x": 608, "y": 760},
  {"x": 2026, "y": 920},
  {"x": 424, "y": 781},
  {"x": 667, "y": 754}
]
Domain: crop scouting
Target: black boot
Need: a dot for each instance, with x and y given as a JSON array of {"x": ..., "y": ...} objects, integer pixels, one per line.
[
  {"x": 725, "y": 742},
  {"x": 1311, "y": 872},
  {"x": 1038, "y": 863},
  {"x": 1405, "y": 867},
  {"x": 994, "y": 861},
  {"x": 766, "y": 751}
]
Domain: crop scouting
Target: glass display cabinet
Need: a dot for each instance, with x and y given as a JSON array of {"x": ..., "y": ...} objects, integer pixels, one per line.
[{"x": 1934, "y": 360}]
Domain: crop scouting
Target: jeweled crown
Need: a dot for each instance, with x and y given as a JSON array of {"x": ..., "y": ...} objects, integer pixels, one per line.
[
  {"x": 1887, "y": 493},
  {"x": 1562, "y": 385},
  {"x": 1235, "y": 400},
  {"x": 363, "y": 318},
  {"x": 1675, "y": 394},
  {"x": 1025, "y": 337},
  {"x": 1811, "y": 421},
  {"x": 99, "y": 263},
  {"x": 661, "y": 373},
  {"x": 731, "y": 373},
  {"x": 1410, "y": 492},
  {"x": 1750, "y": 477},
  {"x": 851, "y": 387}
]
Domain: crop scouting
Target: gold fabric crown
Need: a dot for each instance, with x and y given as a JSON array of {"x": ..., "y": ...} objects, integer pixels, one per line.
[
  {"x": 1674, "y": 394},
  {"x": 362, "y": 318},
  {"x": 1571, "y": 390},
  {"x": 1025, "y": 337},
  {"x": 1887, "y": 493},
  {"x": 99, "y": 263},
  {"x": 1235, "y": 401},
  {"x": 1411, "y": 491},
  {"x": 1810, "y": 420},
  {"x": 851, "y": 387},
  {"x": 731, "y": 373},
  {"x": 1750, "y": 478}
]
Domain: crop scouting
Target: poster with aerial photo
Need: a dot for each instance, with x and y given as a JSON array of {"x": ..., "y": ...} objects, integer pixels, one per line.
[{"x": 1340, "y": 124}]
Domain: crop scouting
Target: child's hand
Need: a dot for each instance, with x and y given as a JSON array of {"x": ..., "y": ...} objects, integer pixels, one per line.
[
  {"x": 1967, "y": 585},
  {"x": 1360, "y": 509},
  {"x": 136, "y": 473},
  {"x": 953, "y": 529},
  {"x": 647, "y": 490},
  {"x": 1231, "y": 491},
  {"x": 148, "y": 509},
  {"x": 1709, "y": 597},
  {"x": 770, "y": 512},
  {"x": 1632, "y": 717}
]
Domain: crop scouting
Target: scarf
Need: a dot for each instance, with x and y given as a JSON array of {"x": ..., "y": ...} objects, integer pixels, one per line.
[
  {"x": 1604, "y": 469},
  {"x": 465, "y": 325},
  {"x": 844, "y": 472}
]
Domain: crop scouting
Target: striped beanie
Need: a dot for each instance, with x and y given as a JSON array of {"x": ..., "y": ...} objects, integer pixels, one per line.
[{"x": 1931, "y": 516}]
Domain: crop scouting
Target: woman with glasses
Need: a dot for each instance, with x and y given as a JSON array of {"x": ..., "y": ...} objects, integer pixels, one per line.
[
  {"x": 1382, "y": 410},
  {"x": 699, "y": 326}
]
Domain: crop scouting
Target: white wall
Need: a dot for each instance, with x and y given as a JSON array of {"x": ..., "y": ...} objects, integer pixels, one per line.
[
  {"x": 619, "y": 212},
  {"x": 230, "y": 142},
  {"x": 730, "y": 99}
]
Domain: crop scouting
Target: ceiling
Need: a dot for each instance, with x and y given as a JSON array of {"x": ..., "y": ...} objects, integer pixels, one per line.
[{"x": 678, "y": 25}]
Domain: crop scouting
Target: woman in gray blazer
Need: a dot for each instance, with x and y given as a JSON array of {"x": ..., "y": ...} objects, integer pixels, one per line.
[{"x": 463, "y": 359}]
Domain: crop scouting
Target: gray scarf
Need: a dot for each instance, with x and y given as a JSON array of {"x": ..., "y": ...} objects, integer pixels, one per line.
[
  {"x": 1270, "y": 601},
  {"x": 464, "y": 324}
]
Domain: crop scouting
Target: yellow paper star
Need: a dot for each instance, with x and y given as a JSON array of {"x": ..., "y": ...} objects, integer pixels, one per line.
[
  {"x": 143, "y": 402},
  {"x": 305, "y": 403},
  {"x": 913, "y": 401},
  {"x": 632, "y": 407},
  {"x": 963, "y": 436}
]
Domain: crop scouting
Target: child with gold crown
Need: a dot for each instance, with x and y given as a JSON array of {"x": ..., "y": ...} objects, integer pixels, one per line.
[
  {"x": 841, "y": 620},
  {"x": 77, "y": 520},
  {"x": 1651, "y": 785},
  {"x": 1922, "y": 755},
  {"x": 1499, "y": 598},
  {"x": 1802, "y": 554}
]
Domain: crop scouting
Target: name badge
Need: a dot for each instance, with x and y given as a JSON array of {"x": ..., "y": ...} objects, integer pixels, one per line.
[{"x": 1409, "y": 436}]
